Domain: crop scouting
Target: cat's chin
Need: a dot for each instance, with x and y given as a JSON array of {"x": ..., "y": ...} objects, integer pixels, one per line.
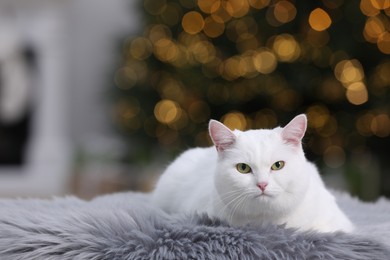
[{"x": 264, "y": 197}]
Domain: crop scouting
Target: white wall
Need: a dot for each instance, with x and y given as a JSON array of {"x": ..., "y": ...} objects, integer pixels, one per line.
[
  {"x": 96, "y": 26},
  {"x": 76, "y": 41}
]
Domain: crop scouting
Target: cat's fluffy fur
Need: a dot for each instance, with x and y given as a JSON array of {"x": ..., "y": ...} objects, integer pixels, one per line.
[{"x": 206, "y": 180}]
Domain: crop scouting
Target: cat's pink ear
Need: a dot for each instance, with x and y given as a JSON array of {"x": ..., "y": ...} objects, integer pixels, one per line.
[
  {"x": 294, "y": 131},
  {"x": 221, "y": 136}
]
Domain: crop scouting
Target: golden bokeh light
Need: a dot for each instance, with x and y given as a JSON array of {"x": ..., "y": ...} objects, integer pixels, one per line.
[
  {"x": 380, "y": 4},
  {"x": 230, "y": 68},
  {"x": 349, "y": 71},
  {"x": 377, "y": 26},
  {"x": 202, "y": 51},
  {"x": 192, "y": 22},
  {"x": 246, "y": 66},
  {"x": 235, "y": 120},
  {"x": 212, "y": 27},
  {"x": 259, "y": 4},
  {"x": 221, "y": 14},
  {"x": 141, "y": 48},
  {"x": 384, "y": 42},
  {"x": 286, "y": 48},
  {"x": 357, "y": 93},
  {"x": 209, "y": 6},
  {"x": 165, "y": 50},
  {"x": 319, "y": 20},
  {"x": 373, "y": 28},
  {"x": 380, "y": 125},
  {"x": 167, "y": 111},
  {"x": 380, "y": 80},
  {"x": 374, "y": 124},
  {"x": 318, "y": 116},
  {"x": 329, "y": 129},
  {"x": 284, "y": 11},
  {"x": 265, "y": 61},
  {"x": 236, "y": 8},
  {"x": 158, "y": 32},
  {"x": 265, "y": 118},
  {"x": 169, "y": 88},
  {"x": 367, "y": 8}
]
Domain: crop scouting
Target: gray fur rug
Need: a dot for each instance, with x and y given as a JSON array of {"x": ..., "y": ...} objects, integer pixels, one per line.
[{"x": 124, "y": 226}]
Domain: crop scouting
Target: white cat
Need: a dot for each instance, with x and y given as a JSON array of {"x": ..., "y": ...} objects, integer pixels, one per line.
[{"x": 256, "y": 176}]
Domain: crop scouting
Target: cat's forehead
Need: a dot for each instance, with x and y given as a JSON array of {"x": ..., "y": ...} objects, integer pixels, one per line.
[
  {"x": 258, "y": 145},
  {"x": 258, "y": 135}
]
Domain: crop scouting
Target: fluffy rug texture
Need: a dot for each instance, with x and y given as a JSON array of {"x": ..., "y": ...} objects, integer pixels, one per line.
[{"x": 125, "y": 226}]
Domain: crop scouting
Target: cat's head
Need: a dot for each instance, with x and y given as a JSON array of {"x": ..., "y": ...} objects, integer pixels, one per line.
[{"x": 261, "y": 171}]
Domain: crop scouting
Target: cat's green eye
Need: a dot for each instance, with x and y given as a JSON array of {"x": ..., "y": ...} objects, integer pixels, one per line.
[
  {"x": 243, "y": 168},
  {"x": 277, "y": 166}
]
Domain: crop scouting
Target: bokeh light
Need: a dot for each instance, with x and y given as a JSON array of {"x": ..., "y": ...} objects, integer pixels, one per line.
[
  {"x": 209, "y": 6},
  {"x": 357, "y": 93},
  {"x": 235, "y": 120},
  {"x": 284, "y": 11},
  {"x": 193, "y": 22},
  {"x": 213, "y": 27},
  {"x": 349, "y": 71},
  {"x": 265, "y": 61},
  {"x": 286, "y": 48},
  {"x": 384, "y": 42},
  {"x": 319, "y": 20}
]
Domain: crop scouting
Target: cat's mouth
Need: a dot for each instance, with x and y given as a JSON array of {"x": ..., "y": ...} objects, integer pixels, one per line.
[{"x": 263, "y": 195}]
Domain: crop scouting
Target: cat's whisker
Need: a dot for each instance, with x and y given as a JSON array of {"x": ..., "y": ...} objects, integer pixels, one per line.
[
  {"x": 237, "y": 204},
  {"x": 226, "y": 206}
]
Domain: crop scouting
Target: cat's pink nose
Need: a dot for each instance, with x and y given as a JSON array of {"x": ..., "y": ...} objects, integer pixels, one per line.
[{"x": 262, "y": 185}]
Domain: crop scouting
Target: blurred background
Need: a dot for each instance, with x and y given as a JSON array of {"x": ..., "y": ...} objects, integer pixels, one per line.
[{"x": 99, "y": 96}]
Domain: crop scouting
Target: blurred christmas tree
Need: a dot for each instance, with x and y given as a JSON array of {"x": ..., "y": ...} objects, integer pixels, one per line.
[{"x": 256, "y": 64}]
